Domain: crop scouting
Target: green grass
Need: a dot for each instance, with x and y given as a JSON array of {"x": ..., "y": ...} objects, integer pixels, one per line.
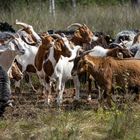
[
  {"x": 110, "y": 19},
  {"x": 71, "y": 125},
  {"x": 37, "y": 124}
]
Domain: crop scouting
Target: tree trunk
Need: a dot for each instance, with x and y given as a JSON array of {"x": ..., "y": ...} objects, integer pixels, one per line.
[
  {"x": 135, "y": 3},
  {"x": 53, "y": 8},
  {"x": 74, "y": 6},
  {"x": 50, "y": 6}
]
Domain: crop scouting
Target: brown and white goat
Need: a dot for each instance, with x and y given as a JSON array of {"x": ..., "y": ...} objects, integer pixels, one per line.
[
  {"x": 32, "y": 41},
  {"x": 43, "y": 49},
  {"x": 114, "y": 52},
  {"x": 82, "y": 36},
  {"x": 47, "y": 58},
  {"x": 106, "y": 70}
]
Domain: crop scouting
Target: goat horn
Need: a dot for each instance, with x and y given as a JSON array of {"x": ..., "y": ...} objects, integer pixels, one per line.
[
  {"x": 32, "y": 43},
  {"x": 85, "y": 53},
  {"x": 56, "y": 36},
  {"x": 118, "y": 45},
  {"x": 19, "y": 30},
  {"x": 21, "y": 23},
  {"x": 75, "y": 24}
]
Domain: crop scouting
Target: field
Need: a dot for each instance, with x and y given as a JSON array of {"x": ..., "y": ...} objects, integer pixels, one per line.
[{"x": 30, "y": 119}]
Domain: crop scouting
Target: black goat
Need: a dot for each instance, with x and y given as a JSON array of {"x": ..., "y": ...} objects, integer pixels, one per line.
[{"x": 4, "y": 26}]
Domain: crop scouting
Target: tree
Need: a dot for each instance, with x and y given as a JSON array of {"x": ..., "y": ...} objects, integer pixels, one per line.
[
  {"x": 135, "y": 3},
  {"x": 52, "y": 7}
]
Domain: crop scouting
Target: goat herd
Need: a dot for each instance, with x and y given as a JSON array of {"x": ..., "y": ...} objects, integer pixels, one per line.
[{"x": 58, "y": 56}]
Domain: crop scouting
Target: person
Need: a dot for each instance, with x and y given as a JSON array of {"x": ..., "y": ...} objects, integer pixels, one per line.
[{"x": 5, "y": 90}]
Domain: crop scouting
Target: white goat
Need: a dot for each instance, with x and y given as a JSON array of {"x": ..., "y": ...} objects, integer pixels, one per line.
[
  {"x": 31, "y": 48},
  {"x": 9, "y": 50}
]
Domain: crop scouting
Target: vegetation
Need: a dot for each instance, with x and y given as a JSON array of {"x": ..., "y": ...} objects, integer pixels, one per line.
[
  {"x": 28, "y": 121},
  {"x": 72, "y": 125},
  {"x": 110, "y": 19}
]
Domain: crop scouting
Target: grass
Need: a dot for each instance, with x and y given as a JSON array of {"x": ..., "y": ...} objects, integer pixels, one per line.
[
  {"x": 110, "y": 19},
  {"x": 34, "y": 123},
  {"x": 71, "y": 125}
]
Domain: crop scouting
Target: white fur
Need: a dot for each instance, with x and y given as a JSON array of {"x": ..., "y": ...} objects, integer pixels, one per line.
[
  {"x": 98, "y": 51},
  {"x": 131, "y": 35},
  {"x": 62, "y": 72},
  {"x": 30, "y": 52},
  {"x": 95, "y": 38},
  {"x": 10, "y": 52}
]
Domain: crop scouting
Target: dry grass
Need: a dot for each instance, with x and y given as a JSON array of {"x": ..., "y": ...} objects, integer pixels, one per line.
[
  {"x": 55, "y": 124},
  {"x": 110, "y": 19},
  {"x": 36, "y": 123}
]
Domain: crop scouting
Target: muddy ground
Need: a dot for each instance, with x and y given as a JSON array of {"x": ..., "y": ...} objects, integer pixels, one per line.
[{"x": 29, "y": 103}]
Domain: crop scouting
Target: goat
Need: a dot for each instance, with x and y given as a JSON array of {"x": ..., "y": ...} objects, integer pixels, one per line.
[
  {"x": 9, "y": 50},
  {"x": 12, "y": 48},
  {"x": 135, "y": 47},
  {"x": 115, "y": 52},
  {"x": 50, "y": 69},
  {"x": 106, "y": 69},
  {"x": 15, "y": 72},
  {"x": 83, "y": 35},
  {"x": 126, "y": 37},
  {"x": 101, "y": 39},
  {"x": 102, "y": 52},
  {"x": 47, "y": 41},
  {"x": 31, "y": 42}
]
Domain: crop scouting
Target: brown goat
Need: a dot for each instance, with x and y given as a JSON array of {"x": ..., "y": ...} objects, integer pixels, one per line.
[
  {"x": 107, "y": 69},
  {"x": 15, "y": 72},
  {"x": 83, "y": 35}
]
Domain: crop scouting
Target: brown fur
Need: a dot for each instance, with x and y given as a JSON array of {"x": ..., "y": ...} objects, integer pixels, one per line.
[
  {"x": 60, "y": 49},
  {"x": 46, "y": 41},
  {"x": 31, "y": 68},
  {"x": 15, "y": 72},
  {"x": 48, "y": 68},
  {"x": 82, "y": 35},
  {"x": 100, "y": 41},
  {"x": 115, "y": 52},
  {"x": 104, "y": 70},
  {"x": 31, "y": 38}
]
